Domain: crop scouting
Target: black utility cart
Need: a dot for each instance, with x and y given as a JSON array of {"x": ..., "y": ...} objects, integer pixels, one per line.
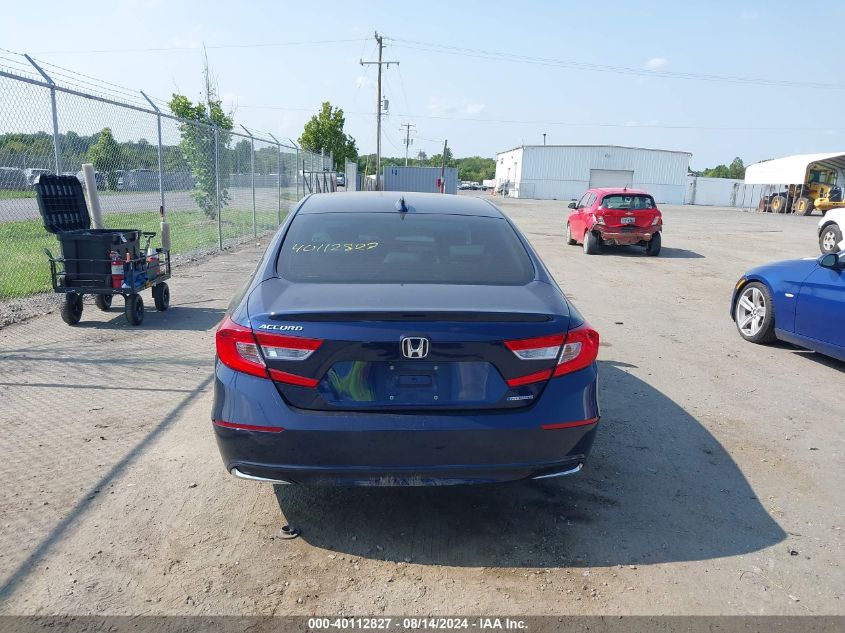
[{"x": 99, "y": 262}]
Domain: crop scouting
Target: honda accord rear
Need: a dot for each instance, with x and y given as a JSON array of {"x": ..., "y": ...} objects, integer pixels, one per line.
[{"x": 403, "y": 339}]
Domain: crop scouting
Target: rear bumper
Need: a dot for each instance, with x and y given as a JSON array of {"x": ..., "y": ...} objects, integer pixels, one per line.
[
  {"x": 614, "y": 235},
  {"x": 393, "y": 449}
]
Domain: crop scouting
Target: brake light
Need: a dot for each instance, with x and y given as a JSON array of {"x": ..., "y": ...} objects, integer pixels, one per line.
[
  {"x": 539, "y": 348},
  {"x": 238, "y": 350},
  {"x": 598, "y": 219},
  {"x": 241, "y": 349},
  {"x": 279, "y": 347},
  {"x": 579, "y": 351},
  {"x": 656, "y": 220}
]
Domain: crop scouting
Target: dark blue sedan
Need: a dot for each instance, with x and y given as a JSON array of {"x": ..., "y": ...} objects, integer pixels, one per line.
[
  {"x": 403, "y": 339},
  {"x": 799, "y": 301}
]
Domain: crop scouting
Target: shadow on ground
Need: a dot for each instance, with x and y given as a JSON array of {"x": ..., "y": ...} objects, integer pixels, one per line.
[
  {"x": 657, "y": 488},
  {"x": 666, "y": 252},
  {"x": 175, "y": 318}
]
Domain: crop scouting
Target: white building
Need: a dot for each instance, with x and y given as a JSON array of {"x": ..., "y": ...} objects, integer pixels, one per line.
[{"x": 564, "y": 172}]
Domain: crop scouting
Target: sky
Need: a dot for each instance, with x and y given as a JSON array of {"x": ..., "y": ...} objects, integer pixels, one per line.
[{"x": 486, "y": 76}]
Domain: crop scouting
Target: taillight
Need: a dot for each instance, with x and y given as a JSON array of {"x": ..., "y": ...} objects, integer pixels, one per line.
[
  {"x": 656, "y": 220},
  {"x": 579, "y": 351},
  {"x": 241, "y": 349},
  {"x": 539, "y": 348},
  {"x": 279, "y": 347},
  {"x": 238, "y": 350}
]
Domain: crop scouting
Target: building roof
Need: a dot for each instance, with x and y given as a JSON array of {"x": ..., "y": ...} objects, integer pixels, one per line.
[
  {"x": 386, "y": 202},
  {"x": 790, "y": 170},
  {"x": 623, "y": 190},
  {"x": 644, "y": 149}
]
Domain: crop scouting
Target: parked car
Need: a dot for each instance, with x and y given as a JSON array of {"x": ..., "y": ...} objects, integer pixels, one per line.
[
  {"x": 13, "y": 178},
  {"x": 615, "y": 217},
  {"x": 800, "y": 301},
  {"x": 403, "y": 339},
  {"x": 341, "y": 179},
  {"x": 831, "y": 231},
  {"x": 33, "y": 174},
  {"x": 464, "y": 186},
  {"x": 99, "y": 179}
]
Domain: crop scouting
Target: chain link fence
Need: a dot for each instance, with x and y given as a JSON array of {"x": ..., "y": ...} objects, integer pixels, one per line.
[{"x": 219, "y": 188}]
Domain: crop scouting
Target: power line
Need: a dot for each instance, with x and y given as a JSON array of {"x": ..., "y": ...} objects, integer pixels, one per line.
[
  {"x": 634, "y": 125},
  {"x": 155, "y": 49},
  {"x": 624, "y": 70}
]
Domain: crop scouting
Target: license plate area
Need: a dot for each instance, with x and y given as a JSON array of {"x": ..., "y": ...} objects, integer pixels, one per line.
[
  {"x": 628, "y": 220},
  {"x": 385, "y": 384}
]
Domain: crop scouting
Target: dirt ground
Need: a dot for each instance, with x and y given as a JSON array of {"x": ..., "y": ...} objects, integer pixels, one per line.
[{"x": 715, "y": 485}]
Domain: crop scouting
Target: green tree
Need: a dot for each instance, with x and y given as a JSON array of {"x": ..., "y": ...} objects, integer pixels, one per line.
[
  {"x": 197, "y": 147},
  {"x": 735, "y": 170},
  {"x": 105, "y": 155},
  {"x": 325, "y": 132}
]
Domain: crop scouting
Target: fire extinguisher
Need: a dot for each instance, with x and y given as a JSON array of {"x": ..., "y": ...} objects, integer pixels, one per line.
[{"x": 116, "y": 269}]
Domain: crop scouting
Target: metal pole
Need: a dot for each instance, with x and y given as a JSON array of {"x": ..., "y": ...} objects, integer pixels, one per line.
[
  {"x": 57, "y": 148},
  {"x": 217, "y": 186},
  {"x": 252, "y": 167},
  {"x": 279, "y": 179},
  {"x": 160, "y": 150}
]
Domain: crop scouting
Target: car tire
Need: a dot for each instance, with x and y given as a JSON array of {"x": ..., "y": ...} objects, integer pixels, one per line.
[
  {"x": 103, "y": 302},
  {"x": 592, "y": 243},
  {"x": 652, "y": 249},
  {"x": 751, "y": 324},
  {"x": 72, "y": 308},
  {"x": 829, "y": 238},
  {"x": 161, "y": 296},
  {"x": 134, "y": 309},
  {"x": 569, "y": 238}
]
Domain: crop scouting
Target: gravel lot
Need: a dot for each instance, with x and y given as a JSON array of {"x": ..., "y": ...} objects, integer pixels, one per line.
[{"x": 715, "y": 485}]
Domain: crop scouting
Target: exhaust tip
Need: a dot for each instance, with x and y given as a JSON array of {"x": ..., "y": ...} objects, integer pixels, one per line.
[
  {"x": 562, "y": 473},
  {"x": 241, "y": 475}
]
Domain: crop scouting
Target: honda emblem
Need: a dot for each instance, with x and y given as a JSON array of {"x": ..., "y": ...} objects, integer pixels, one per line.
[{"x": 415, "y": 347}]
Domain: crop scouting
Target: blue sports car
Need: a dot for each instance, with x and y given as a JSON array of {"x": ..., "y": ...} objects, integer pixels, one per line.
[
  {"x": 799, "y": 301},
  {"x": 403, "y": 339}
]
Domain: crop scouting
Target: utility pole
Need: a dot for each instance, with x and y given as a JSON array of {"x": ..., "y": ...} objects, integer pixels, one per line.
[
  {"x": 408, "y": 139},
  {"x": 443, "y": 169},
  {"x": 379, "y": 63}
]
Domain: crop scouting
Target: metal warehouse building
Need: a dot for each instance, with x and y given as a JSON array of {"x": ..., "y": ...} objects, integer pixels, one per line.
[{"x": 564, "y": 172}]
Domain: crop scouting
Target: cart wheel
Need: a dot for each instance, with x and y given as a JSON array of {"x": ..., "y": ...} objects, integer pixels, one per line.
[
  {"x": 72, "y": 308},
  {"x": 103, "y": 302},
  {"x": 161, "y": 295},
  {"x": 134, "y": 309}
]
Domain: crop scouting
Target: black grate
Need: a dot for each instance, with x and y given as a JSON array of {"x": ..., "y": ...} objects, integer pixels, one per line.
[{"x": 61, "y": 202}]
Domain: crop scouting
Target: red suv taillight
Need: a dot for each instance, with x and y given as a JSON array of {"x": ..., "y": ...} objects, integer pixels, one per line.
[
  {"x": 241, "y": 349},
  {"x": 580, "y": 349}
]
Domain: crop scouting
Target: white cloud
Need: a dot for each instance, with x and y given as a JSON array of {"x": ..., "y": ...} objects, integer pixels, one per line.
[
  {"x": 181, "y": 42},
  {"x": 362, "y": 81},
  {"x": 656, "y": 63},
  {"x": 649, "y": 123},
  {"x": 438, "y": 106}
]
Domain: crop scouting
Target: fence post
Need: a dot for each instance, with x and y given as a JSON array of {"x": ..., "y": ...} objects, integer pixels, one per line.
[
  {"x": 57, "y": 148},
  {"x": 160, "y": 150},
  {"x": 279, "y": 179},
  {"x": 297, "y": 175},
  {"x": 217, "y": 187},
  {"x": 252, "y": 169}
]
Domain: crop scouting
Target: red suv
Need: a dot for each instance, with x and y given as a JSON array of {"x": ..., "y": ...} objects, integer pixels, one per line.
[{"x": 615, "y": 217}]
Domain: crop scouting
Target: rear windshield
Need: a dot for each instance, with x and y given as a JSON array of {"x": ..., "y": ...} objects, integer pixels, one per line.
[
  {"x": 403, "y": 248},
  {"x": 623, "y": 201}
]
